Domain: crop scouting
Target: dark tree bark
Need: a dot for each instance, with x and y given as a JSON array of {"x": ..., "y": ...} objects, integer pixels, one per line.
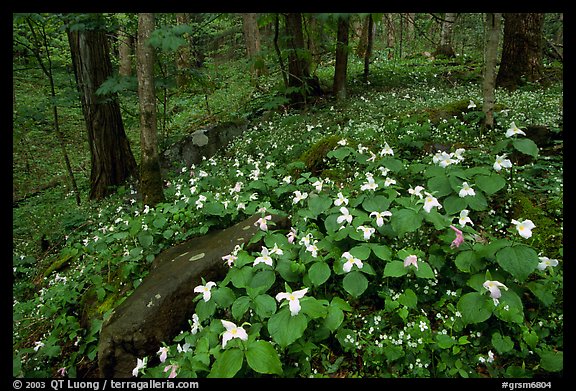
[
  {"x": 369, "y": 45},
  {"x": 298, "y": 63},
  {"x": 112, "y": 161},
  {"x": 341, "y": 67},
  {"x": 521, "y": 50},
  {"x": 150, "y": 176}
]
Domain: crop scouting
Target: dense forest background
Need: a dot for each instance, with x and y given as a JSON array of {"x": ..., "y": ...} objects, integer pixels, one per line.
[{"x": 98, "y": 98}]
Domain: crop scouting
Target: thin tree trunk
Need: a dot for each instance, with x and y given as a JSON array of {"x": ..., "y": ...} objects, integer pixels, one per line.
[
  {"x": 278, "y": 53},
  {"x": 388, "y": 20},
  {"x": 490, "y": 59},
  {"x": 38, "y": 43},
  {"x": 341, "y": 66},
  {"x": 183, "y": 55},
  {"x": 124, "y": 52},
  {"x": 150, "y": 176},
  {"x": 112, "y": 162},
  {"x": 369, "y": 45}
]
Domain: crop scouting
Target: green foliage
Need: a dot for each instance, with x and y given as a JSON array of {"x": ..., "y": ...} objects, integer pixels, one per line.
[{"x": 363, "y": 311}]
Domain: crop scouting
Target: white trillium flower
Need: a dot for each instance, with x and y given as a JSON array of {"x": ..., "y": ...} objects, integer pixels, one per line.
[
  {"x": 513, "y": 130},
  {"x": 463, "y": 218},
  {"x": 205, "y": 290},
  {"x": 293, "y": 299},
  {"x": 369, "y": 184},
  {"x": 341, "y": 200},
  {"x": 417, "y": 191},
  {"x": 232, "y": 331},
  {"x": 430, "y": 201},
  {"x": 501, "y": 162},
  {"x": 524, "y": 227},
  {"x": 346, "y": 216},
  {"x": 547, "y": 262},
  {"x": 140, "y": 364},
  {"x": 264, "y": 258},
  {"x": 380, "y": 217},
  {"x": 367, "y": 231},
  {"x": 466, "y": 190},
  {"x": 351, "y": 261}
]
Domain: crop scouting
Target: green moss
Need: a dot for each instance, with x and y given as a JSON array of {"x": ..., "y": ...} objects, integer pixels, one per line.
[
  {"x": 547, "y": 236},
  {"x": 314, "y": 158},
  {"x": 92, "y": 308}
]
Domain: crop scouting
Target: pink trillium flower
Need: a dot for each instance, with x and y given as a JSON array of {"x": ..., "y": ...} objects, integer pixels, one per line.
[
  {"x": 262, "y": 222},
  {"x": 232, "y": 331},
  {"x": 494, "y": 288},
  {"x": 411, "y": 260},
  {"x": 291, "y": 235},
  {"x": 459, "y": 238},
  {"x": 163, "y": 352},
  {"x": 293, "y": 299},
  {"x": 172, "y": 368}
]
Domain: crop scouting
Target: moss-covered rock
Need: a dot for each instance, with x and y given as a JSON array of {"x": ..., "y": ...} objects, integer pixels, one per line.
[{"x": 315, "y": 157}]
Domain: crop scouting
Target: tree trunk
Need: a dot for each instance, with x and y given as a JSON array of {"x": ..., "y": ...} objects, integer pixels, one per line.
[
  {"x": 298, "y": 64},
  {"x": 388, "y": 20},
  {"x": 183, "y": 55},
  {"x": 39, "y": 44},
  {"x": 252, "y": 38},
  {"x": 490, "y": 59},
  {"x": 369, "y": 45},
  {"x": 521, "y": 50},
  {"x": 445, "y": 49},
  {"x": 150, "y": 176},
  {"x": 112, "y": 162},
  {"x": 124, "y": 52},
  {"x": 341, "y": 66}
]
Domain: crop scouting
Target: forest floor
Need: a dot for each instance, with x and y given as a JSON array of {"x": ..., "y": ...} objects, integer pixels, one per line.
[{"x": 416, "y": 106}]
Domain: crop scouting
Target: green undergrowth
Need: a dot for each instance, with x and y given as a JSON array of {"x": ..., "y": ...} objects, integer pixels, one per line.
[{"x": 379, "y": 294}]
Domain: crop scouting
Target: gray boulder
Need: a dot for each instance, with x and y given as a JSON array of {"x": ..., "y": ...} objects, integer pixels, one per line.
[
  {"x": 203, "y": 143},
  {"x": 162, "y": 304}
]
